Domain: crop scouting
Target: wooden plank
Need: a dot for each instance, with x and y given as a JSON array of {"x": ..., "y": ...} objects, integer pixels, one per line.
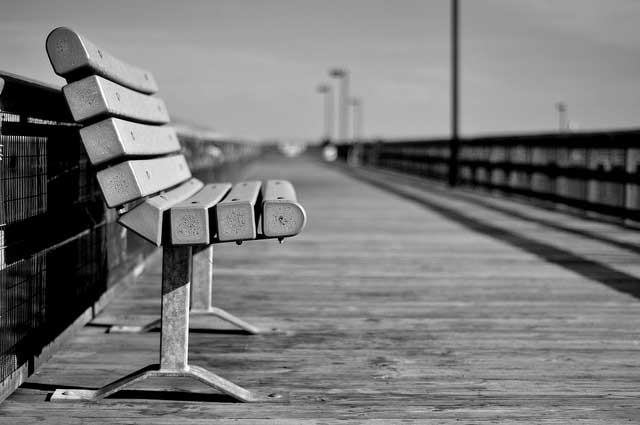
[
  {"x": 147, "y": 218},
  {"x": 282, "y": 215},
  {"x": 72, "y": 55},
  {"x": 135, "y": 179},
  {"x": 193, "y": 220},
  {"x": 236, "y": 215},
  {"x": 114, "y": 138},
  {"x": 94, "y": 97}
]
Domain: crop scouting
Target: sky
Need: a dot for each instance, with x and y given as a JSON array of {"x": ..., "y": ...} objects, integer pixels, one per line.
[{"x": 249, "y": 68}]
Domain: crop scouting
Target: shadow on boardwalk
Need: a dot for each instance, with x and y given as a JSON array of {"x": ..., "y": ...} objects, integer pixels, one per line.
[{"x": 618, "y": 280}]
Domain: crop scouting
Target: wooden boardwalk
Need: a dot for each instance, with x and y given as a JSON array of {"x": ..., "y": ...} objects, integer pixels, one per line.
[{"x": 398, "y": 303}]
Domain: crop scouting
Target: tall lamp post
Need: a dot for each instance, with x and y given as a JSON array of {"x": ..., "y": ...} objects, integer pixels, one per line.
[
  {"x": 453, "y": 149},
  {"x": 563, "y": 122},
  {"x": 343, "y": 75},
  {"x": 356, "y": 103},
  {"x": 327, "y": 93}
]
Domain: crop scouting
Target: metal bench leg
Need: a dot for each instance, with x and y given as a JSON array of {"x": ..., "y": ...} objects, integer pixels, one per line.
[
  {"x": 201, "y": 300},
  {"x": 174, "y": 341}
]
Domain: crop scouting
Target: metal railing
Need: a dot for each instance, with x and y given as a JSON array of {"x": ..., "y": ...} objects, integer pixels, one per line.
[
  {"x": 60, "y": 247},
  {"x": 589, "y": 172}
]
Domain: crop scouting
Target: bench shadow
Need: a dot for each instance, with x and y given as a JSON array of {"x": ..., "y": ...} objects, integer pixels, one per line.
[
  {"x": 140, "y": 394},
  {"x": 212, "y": 331},
  {"x": 51, "y": 387},
  {"x": 194, "y": 330},
  {"x": 97, "y": 325},
  {"x": 592, "y": 270},
  {"x": 172, "y": 396}
]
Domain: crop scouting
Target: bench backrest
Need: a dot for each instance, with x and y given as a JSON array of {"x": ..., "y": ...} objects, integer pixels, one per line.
[
  {"x": 138, "y": 160},
  {"x": 124, "y": 131},
  {"x": 113, "y": 98}
]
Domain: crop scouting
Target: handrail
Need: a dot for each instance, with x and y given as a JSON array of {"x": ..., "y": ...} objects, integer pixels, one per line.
[
  {"x": 590, "y": 172},
  {"x": 24, "y": 96}
]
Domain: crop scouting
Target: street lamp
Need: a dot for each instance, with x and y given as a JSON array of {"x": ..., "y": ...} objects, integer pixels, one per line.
[
  {"x": 356, "y": 103},
  {"x": 563, "y": 122},
  {"x": 455, "y": 95},
  {"x": 343, "y": 75},
  {"x": 326, "y": 91}
]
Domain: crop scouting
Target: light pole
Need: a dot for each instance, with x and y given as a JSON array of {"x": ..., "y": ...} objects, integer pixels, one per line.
[
  {"x": 343, "y": 75},
  {"x": 326, "y": 91},
  {"x": 453, "y": 146},
  {"x": 563, "y": 122},
  {"x": 356, "y": 103}
]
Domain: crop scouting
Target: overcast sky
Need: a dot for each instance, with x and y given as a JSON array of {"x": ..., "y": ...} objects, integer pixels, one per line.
[{"x": 250, "y": 68}]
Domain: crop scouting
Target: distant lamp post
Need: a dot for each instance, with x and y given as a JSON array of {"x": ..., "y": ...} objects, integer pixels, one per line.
[
  {"x": 356, "y": 103},
  {"x": 343, "y": 75},
  {"x": 455, "y": 95},
  {"x": 563, "y": 120},
  {"x": 327, "y": 93}
]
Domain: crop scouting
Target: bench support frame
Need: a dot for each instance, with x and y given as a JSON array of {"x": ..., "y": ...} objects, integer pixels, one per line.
[
  {"x": 202, "y": 290},
  {"x": 201, "y": 299},
  {"x": 174, "y": 341}
]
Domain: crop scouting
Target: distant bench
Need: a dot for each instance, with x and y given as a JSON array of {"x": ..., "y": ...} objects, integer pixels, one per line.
[{"x": 142, "y": 173}]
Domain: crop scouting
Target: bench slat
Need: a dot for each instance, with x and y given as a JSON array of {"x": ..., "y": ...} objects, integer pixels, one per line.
[
  {"x": 147, "y": 218},
  {"x": 113, "y": 138},
  {"x": 282, "y": 215},
  {"x": 94, "y": 96},
  {"x": 193, "y": 220},
  {"x": 135, "y": 179},
  {"x": 74, "y": 56},
  {"x": 236, "y": 215}
]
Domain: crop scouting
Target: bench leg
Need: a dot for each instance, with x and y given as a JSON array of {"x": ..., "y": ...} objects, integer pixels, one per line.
[
  {"x": 174, "y": 341},
  {"x": 201, "y": 301}
]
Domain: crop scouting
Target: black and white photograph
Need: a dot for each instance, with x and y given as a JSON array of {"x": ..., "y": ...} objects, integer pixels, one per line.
[{"x": 297, "y": 212}]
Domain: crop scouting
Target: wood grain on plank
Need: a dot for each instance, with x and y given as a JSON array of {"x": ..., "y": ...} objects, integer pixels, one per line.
[
  {"x": 147, "y": 218},
  {"x": 114, "y": 138},
  {"x": 135, "y": 179},
  {"x": 236, "y": 215},
  {"x": 94, "y": 96},
  {"x": 73, "y": 55},
  {"x": 193, "y": 220}
]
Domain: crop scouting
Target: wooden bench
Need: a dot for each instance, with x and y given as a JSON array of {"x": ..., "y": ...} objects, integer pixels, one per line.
[{"x": 141, "y": 173}]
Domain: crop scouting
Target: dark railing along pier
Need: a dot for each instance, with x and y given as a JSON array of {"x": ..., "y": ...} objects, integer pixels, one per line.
[{"x": 595, "y": 172}]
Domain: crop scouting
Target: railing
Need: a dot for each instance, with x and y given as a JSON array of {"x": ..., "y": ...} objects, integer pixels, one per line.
[
  {"x": 589, "y": 172},
  {"x": 60, "y": 247}
]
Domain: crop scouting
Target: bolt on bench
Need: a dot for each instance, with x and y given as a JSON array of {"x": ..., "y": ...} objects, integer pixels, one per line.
[{"x": 141, "y": 172}]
